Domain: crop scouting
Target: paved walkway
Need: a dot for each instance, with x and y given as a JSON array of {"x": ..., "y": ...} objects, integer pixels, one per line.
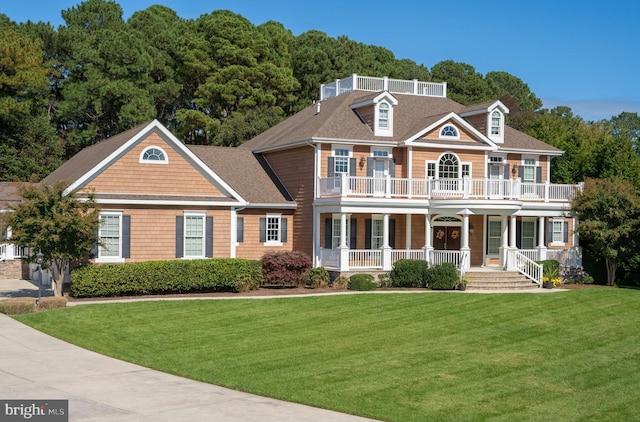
[{"x": 34, "y": 365}]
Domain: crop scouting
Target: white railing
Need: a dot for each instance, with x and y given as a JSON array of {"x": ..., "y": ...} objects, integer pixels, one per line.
[
  {"x": 398, "y": 254},
  {"x": 528, "y": 268},
  {"x": 11, "y": 251},
  {"x": 466, "y": 188},
  {"x": 395, "y": 86},
  {"x": 365, "y": 258}
]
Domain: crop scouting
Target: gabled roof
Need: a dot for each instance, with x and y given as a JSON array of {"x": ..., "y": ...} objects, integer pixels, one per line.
[
  {"x": 433, "y": 122},
  {"x": 337, "y": 121}
]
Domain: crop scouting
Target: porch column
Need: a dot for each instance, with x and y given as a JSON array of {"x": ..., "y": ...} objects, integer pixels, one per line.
[
  {"x": 512, "y": 233},
  {"x": 407, "y": 232},
  {"x": 511, "y": 262},
  {"x": 505, "y": 239},
  {"x": 386, "y": 249},
  {"x": 317, "y": 248},
  {"x": 344, "y": 248},
  {"x": 542, "y": 249},
  {"x": 464, "y": 249},
  {"x": 427, "y": 238}
]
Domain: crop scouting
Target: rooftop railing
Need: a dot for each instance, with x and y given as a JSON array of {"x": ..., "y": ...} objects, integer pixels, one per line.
[{"x": 372, "y": 84}]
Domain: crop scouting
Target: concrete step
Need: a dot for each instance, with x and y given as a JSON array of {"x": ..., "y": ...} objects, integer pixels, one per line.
[{"x": 498, "y": 280}]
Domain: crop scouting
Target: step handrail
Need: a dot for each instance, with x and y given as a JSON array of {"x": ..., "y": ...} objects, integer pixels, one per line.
[{"x": 529, "y": 268}]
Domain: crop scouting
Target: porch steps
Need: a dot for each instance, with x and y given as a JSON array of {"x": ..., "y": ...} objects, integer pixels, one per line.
[{"x": 497, "y": 280}]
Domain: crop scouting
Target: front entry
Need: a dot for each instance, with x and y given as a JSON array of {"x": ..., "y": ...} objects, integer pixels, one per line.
[{"x": 446, "y": 238}]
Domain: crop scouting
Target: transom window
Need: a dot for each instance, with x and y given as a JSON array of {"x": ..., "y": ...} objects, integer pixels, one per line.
[
  {"x": 154, "y": 155},
  {"x": 380, "y": 153},
  {"x": 449, "y": 131}
]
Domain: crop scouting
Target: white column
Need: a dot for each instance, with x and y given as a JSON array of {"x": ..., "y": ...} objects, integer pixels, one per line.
[
  {"x": 386, "y": 249},
  {"x": 511, "y": 250},
  {"x": 407, "y": 231},
  {"x": 317, "y": 249},
  {"x": 542, "y": 249},
  {"x": 512, "y": 233},
  {"x": 234, "y": 233},
  {"x": 344, "y": 249},
  {"x": 464, "y": 249},
  {"x": 505, "y": 241},
  {"x": 427, "y": 237}
]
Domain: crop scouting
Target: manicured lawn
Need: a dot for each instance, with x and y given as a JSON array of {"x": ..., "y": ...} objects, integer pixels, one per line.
[{"x": 399, "y": 357}]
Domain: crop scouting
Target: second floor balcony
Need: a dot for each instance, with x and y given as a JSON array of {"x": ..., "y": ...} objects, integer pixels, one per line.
[{"x": 465, "y": 188}]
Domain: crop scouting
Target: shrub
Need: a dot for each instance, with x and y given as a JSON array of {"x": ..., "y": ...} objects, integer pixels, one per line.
[
  {"x": 17, "y": 306},
  {"x": 409, "y": 273},
  {"x": 586, "y": 279},
  {"x": 362, "y": 282},
  {"x": 317, "y": 278},
  {"x": 443, "y": 276},
  {"x": 340, "y": 283},
  {"x": 384, "y": 280},
  {"x": 166, "y": 277},
  {"x": 550, "y": 268},
  {"x": 285, "y": 268},
  {"x": 52, "y": 302}
]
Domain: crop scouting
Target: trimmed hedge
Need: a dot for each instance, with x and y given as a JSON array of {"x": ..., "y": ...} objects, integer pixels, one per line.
[
  {"x": 443, "y": 276},
  {"x": 17, "y": 306},
  {"x": 409, "y": 273},
  {"x": 166, "y": 277},
  {"x": 318, "y": 278},
  {"x": 362, "y": 282}
]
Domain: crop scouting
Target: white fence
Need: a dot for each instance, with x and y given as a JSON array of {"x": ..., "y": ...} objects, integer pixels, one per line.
[{"x": 395, "y": 86}]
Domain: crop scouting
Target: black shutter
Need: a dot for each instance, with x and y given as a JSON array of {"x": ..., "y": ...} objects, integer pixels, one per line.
[
  {"x": 506, "y": 172},
  {"x": 392, "y": 234},
  {"x": 126, "y": 236},
  {"x": 179, "y": 236},
  {"x": 519, "y": 234},
  {"x": 392, "y": 168},
  {"x": 283, "y": 230},
  {"x": 208, "y": 240},
  {"x": 352, "y": 166},
  {"x": 263, "y": 230},
  {"x": 521, "y": 172},
  {"x": 240, "y": 229},
  {"x": 549, "y": 232},
  {"x": 538, "y": 174},
  {"x": 332, "y": 166},
  {"x": 353, "y": 242},
  {"x": 566, "y": 232},
  {"x": 367, "y": 233},
  {"x": 328, "y": 233},
  {"x": 370, "y": 161}
]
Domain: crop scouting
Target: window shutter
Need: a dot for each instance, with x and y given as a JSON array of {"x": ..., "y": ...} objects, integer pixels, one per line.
[
  {"x": 549, "y": 232},
  {"x": 353, "y": 236},
  {"x": 240, "y": 229},
  {"x": 94, "y": 247},
  {"x": 521, "y": 172},
  {"x": 332, "y": 166},
  {"x": 519, "y": 234},
  {"x": 208, "y": 241},
  {"x": 506, "y": 172},
  {"x": 538, "y": 174},
  {"x": 392, "y": 168},
  {"x": 263, "y": 230},
  {"x": 370, "y": 161},
  {"x": 352, "y": 166},
  {"x": 367, "y": 233},
  {"x": 328, "y": 232},
  {"x": 179, "y": 236},
  {"x": 283, "y": 230},
  {"x": 126, "y": 236},
  {"x": 565, "y": 232},
  {"x": 392, "y": 234}
]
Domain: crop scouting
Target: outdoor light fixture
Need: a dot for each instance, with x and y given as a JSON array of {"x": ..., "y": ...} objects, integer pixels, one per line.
[
  {"x": 472, "y": 229},
  {"x": 362, "y": 162}
]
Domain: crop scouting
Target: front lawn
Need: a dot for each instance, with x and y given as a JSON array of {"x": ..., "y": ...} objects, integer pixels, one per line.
[{"x": 399, "y": 357}]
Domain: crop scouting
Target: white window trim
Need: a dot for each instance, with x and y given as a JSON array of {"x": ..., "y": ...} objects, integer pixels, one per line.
[
  {"x": 202, "y": 215},
  {"x": 166, "y": 157},
  {"x": 111, "y": 259},
  {"x": 561, "y": 242},
  {"x": 335, "y": 238},
  {"x": 377, "y": 219},
  {"x": 534, "y": 165},
  {"x": 442, "y": 136},
  {"x": 266, "y": 228},
  {"x": 333, "y": 154},
  {"x": 379, "y": 131},
  {"x": 495, "y": 137}
]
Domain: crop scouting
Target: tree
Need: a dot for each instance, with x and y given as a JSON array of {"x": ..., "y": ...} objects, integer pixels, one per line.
[
  {"x": 609, "y": 214},
  {"x": 57, "y": 225},
  {"x": 464, "y": 84}
]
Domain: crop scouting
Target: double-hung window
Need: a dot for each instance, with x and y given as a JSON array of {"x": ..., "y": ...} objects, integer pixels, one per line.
[
  {"x": 529, "y": 170},
  {"x": 113, "y": 234},
  {"x": 558, "y": 231},
  {"x": 528, "y": 234},
  {"x": 377, "y": 232},
  {"x": 341, "y": 161},
  {"x": 273, "y": 230},
  {"x": 194, "y": 229}
]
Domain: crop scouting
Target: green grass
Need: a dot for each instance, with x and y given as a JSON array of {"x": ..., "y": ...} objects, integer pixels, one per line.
[{"x": 571, "y": 356}]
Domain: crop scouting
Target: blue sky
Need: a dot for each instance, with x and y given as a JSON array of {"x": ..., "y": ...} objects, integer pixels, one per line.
[{"x": 585, "y": 55}]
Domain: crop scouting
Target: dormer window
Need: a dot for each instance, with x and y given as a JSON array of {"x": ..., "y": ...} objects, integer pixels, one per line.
[
  {"x": 449, "y": 131},
  {"x": 495, "y": 123},
  {"x": 153, "y": 155},
  {"x": 383, "y": 116}
]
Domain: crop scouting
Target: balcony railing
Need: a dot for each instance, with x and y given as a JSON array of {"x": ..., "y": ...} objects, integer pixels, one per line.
[
  {"x": 466, "y": 188},
  {"x": 372, "y": 84},
  {"x": 10, "y": 251}
]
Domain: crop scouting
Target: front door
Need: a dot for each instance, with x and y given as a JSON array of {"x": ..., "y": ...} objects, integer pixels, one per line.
[
  {"x": 446, "y": 238},
  {"x": 379, "y": 175}
]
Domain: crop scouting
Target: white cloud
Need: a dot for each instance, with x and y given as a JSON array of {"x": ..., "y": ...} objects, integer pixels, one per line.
[{"x": 595, "y": 109}]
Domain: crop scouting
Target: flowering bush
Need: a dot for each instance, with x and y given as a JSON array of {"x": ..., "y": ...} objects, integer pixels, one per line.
[{"x": 555, "y": 280}]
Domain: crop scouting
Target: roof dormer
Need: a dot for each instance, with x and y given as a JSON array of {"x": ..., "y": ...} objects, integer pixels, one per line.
[
  {"x": 488, "y": 118},
  {"x": 377, "y": 113}
]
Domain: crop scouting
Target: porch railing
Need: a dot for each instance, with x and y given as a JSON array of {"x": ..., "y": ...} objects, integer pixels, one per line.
[
  {"x": 365, "y": 258},
  {"x": 528, "y": 268},
  {"x": 466, "y": 188},
  {"x": 375, "y": 84}
]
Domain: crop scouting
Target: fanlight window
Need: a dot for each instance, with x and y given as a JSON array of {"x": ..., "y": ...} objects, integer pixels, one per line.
[
  {"x": 449, "y": 131},
  {"x": 153, "y": 155}
]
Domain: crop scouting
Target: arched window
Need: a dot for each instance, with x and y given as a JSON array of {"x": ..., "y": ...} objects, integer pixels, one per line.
[
  {"x": 448, "y": 167},
  {"x": 153, "y": 155},
  {"x": 383, "y": 116},
  {"x": 495, "y": 123},
  {"x": 449, "y": 131}
]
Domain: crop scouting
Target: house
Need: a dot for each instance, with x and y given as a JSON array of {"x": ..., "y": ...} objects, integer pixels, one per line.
[
  {"x": 376, "y": 171},
  {"x": 10, "y": 265}
]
